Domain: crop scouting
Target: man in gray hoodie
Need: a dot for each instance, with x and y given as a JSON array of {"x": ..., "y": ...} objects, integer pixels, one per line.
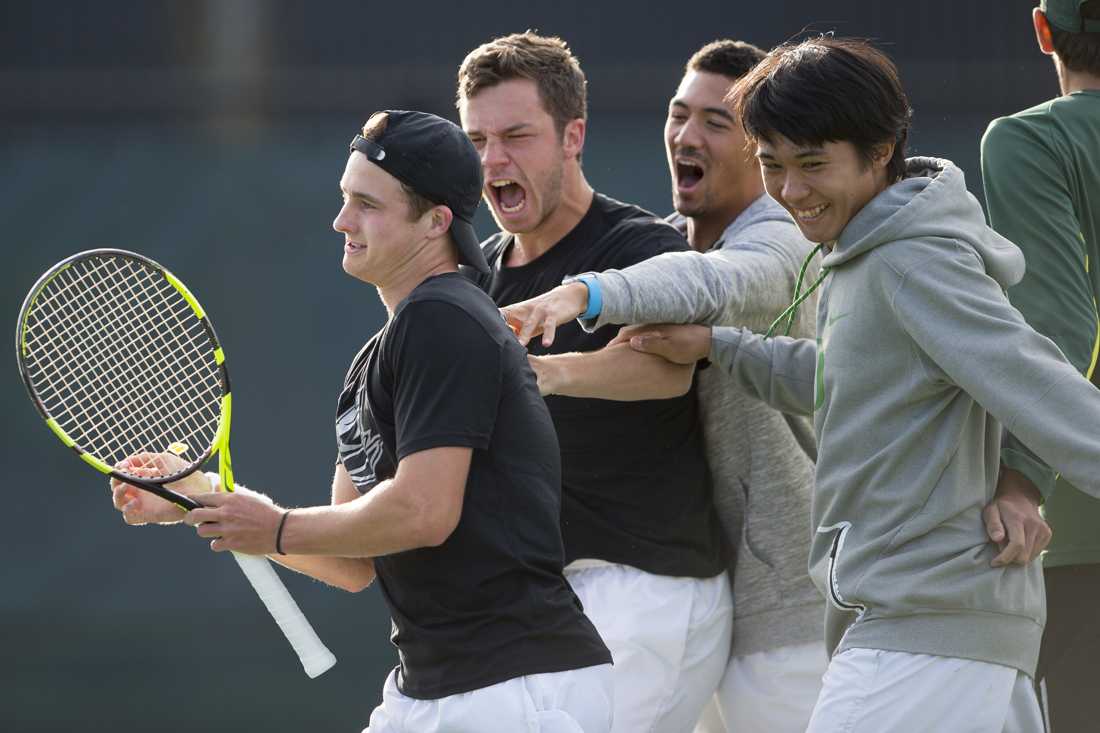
[{"x": 918, "y": 362}]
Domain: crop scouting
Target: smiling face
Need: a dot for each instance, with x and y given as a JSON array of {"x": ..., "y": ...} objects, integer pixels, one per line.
[
  {"x": 522, "y": 153},
  {"x": 707, "y": 152},
  {"x": 380, "y": 234},
  {"x": 822, "y": 186}
]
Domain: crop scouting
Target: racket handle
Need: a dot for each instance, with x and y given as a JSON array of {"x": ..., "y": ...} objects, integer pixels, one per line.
[{"x": 314, "y": 655}]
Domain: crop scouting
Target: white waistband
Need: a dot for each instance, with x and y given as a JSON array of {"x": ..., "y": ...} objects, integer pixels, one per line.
[{"x": 585, "y": 563}]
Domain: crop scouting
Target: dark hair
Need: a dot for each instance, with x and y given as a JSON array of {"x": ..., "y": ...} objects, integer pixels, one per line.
[
  {"x": 728, "y": 58},
  {"x": 827, "y": 89},
  {"x": 372, "y": 130},
  {"x": 1079, "y": 51},
  {"x": 545, "y": 60}
]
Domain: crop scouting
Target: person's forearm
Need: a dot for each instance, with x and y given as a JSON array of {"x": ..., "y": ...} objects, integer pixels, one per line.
[
  {"x": 383, "y": 521},
  {"x": 778, "y": 371},
  {"x": 419, "y": 507},
  {"x": 1021, "y": 459},
  {"x": 1056, "y": 416},
  {"x": 613, "y": 373},
  {"x": 747, "y": 285},
  {"x": 349, "y": 573}
]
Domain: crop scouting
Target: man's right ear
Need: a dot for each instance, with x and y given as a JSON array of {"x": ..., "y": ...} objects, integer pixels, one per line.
[
  {"x": 573, "y": 137},
  {"x": 1043, "y": 35}
]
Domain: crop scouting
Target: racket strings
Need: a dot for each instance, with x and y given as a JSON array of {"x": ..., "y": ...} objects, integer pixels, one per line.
[
  {"x": 138, "y": 344},
  {"x": 141, "y": 349},
  {"x": 102, "y": 379},
  {"x": 101, "y": 390},
  {"x": 95, "y": 381},
  {"x": 122, "y": 363}
]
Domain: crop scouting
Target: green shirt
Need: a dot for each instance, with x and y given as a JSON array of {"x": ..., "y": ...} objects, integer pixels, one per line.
[{"x": 1042, "y": 187}]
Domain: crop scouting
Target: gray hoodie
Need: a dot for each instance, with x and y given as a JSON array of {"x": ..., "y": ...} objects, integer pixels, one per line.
[
  {"x": 919, "y": 361},
  {"x": 761, "y": 460}
]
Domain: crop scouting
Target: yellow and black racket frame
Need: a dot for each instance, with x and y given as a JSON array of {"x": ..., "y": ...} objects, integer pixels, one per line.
[{"x": 221, "y": 439}]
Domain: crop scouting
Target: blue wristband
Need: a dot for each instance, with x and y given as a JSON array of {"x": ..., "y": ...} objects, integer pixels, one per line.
[{"x": 595, "y": 298}]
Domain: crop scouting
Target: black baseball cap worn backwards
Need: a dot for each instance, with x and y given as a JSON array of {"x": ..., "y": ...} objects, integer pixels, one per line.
[
  {"x": 434, "y": 157},
  {"x": 1066, "y": 15}
]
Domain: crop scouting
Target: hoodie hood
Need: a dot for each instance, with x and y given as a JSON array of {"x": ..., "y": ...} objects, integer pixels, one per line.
[{"x": 930, "y": 201}]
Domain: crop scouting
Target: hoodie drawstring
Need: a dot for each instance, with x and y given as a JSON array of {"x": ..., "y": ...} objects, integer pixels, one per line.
[{"x": 792, "y": 310}]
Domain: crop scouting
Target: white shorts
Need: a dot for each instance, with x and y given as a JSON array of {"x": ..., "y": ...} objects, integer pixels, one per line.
[
  {"x": 872, "y": 690},
  {"x": 773, "y": 691},
  {"x": 576, "y": 701},
  {"x": 669, "y": 638}
]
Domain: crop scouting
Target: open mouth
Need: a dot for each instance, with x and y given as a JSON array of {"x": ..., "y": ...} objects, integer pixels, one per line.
[
  {"x": 688, "y": 174},
  {"x": 353, "y": 248},
  {"x": 510, "y": 196},
  {"x": 811, "y": 214}
]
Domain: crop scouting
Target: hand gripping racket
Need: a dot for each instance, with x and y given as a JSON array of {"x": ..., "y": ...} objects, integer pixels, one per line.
[{"x": 119, "y": 358}]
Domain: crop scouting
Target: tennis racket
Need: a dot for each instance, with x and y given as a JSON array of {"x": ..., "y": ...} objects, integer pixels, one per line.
[{"x": 120, "y": 359}]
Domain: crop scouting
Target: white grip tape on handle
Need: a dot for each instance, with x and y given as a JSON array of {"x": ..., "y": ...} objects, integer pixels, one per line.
[{"x": 314, "y": 655}]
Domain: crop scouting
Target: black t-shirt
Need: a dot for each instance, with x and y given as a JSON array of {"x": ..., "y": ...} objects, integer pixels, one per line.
[
  {"x": 490, "y": 603},
  {"x": 635, "y": 484}
]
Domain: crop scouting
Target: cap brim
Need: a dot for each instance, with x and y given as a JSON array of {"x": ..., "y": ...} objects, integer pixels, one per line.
[{"x": 469, "y": 248}]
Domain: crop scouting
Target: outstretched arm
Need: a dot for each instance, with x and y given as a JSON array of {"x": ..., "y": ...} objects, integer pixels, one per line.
[
  {"x": 541, "y": 315},
  {"x": 778, "y": 371},
  {"x": 615, "y": 372},
  {"x": 1035, "y": 393},
  {"x": 746, "y": 283}
]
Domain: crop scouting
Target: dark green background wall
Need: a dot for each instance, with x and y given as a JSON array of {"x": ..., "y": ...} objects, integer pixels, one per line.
[{"x": 211, "y": 136}]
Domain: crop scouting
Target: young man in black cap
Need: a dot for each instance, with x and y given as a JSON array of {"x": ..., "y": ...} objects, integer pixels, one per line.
[
  {"x": 448, "y": 484},
  {"x": 1041, "y": 169}
]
